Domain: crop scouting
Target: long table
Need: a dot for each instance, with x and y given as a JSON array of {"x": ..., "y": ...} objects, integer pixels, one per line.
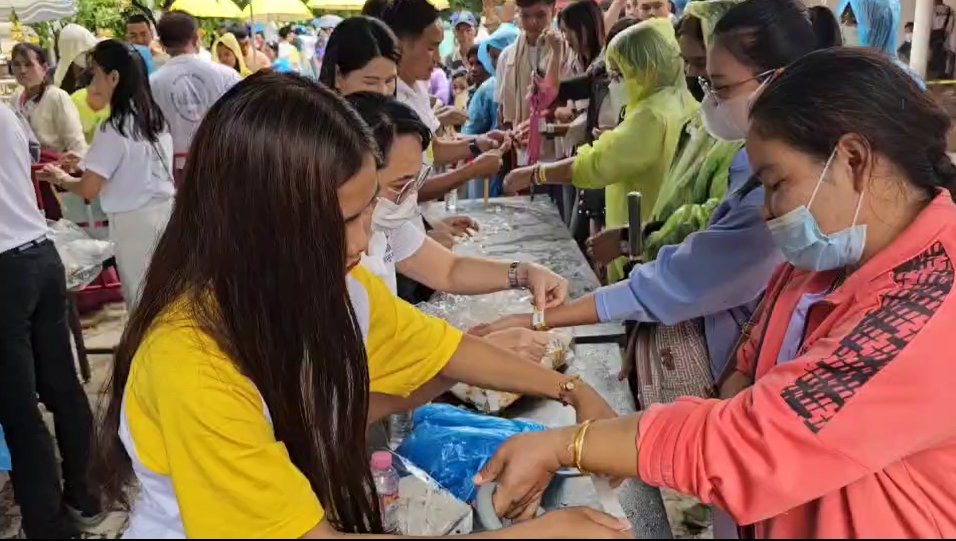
[{"x": 518, "y": 229}]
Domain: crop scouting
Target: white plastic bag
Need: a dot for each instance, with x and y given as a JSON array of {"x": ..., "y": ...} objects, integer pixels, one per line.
[
  {"x": 465, "y": 312},
  {"x": 82, "y": 255},
  {"x": 425, "y": 508}
]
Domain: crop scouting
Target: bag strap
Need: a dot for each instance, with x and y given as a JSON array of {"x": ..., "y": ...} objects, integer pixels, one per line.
[
  {"x": 166, "y": 165},
  {"x": 767, "y": 304}
]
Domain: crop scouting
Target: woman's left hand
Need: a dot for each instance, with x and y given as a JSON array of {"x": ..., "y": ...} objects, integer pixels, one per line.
[
  {"x": 443, "y": 237},
  {"x": 451, "y": 117},
  {"x": 548, "y": 289},
  {"x": 514, "y": 321},
  {"x": 523, "y": 467},
  {"x": 564, "y": 115},
  {"x": 553, "y": 39},
  {"x": 492, "y": 140},
  {"x": 519, "y": 179},
  {"x": 530, "y": 345},
  {"x": 53, "y": 174},
  {"x": 460, "y": 225},
  {"x": 70, "y": 160}
]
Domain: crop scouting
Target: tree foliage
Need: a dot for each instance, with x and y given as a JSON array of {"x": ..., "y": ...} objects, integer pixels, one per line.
[
  {"x": 473, "y": 6},
  {"x": 103, "y": 17}
]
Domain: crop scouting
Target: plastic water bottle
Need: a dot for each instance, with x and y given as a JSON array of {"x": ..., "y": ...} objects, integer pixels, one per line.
[
  {"x": 386, "y": 485},
  {"x": 451, "y": 201},
  {"x": 399, "y": 427}
]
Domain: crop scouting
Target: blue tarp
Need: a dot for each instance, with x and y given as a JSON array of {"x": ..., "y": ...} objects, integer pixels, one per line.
[{"x": 5, "y": 464}]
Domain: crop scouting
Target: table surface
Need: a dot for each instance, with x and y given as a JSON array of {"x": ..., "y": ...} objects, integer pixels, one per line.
[{"x": 517, "y": 229}]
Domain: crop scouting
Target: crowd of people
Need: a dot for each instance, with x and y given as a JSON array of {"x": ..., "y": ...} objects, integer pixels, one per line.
[{"x": 788, "y": 311}]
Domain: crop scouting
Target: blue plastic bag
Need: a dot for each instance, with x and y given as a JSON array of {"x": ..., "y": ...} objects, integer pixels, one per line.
[
  {"x": 5, "y": 463},
  {"x": 452, "y": 444}
]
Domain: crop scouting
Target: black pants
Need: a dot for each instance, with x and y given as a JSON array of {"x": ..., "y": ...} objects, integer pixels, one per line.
[{"x": 36, "y": 362}]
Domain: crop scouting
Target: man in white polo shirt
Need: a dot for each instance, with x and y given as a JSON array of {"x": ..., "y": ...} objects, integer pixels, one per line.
[
  {"x": 419, "y": 31},
  {"x": 36, "y": 359},
  {"x": 187, "y": 86}
]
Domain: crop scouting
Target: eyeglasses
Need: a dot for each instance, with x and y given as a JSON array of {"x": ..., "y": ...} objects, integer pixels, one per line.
[
  {"x": 413, "y": 185},
  {"x": 710, "y": 88}
]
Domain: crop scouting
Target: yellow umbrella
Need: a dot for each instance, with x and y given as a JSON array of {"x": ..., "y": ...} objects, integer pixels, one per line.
[
  {"x": 277, "y": 10},
  {"x": 337, "y": 5},
  {"x": 356, "y": 5},
  {"x": 214, "y": 9}
]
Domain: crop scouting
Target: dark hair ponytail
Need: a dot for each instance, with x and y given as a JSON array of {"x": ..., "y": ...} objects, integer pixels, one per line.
[
  {"x": 133, "y": 111},
  {"x": 767, "y": 34},
  {"x": 825, "y": 26},
  {"x": 943, "y": 169},
  {"x": 816, "y": 101}
]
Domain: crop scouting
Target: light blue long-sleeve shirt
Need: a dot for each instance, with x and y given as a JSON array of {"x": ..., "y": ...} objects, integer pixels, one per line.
[{"x": 717, "y": 274}]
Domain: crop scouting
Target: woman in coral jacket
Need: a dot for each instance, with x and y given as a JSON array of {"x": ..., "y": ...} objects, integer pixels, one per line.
[{"x": 835, "y": 423}]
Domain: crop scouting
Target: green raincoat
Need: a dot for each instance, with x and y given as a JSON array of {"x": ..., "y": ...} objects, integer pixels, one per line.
[
  {"x": 637, "y": 154},
  {"x": 697, "y": 180}
]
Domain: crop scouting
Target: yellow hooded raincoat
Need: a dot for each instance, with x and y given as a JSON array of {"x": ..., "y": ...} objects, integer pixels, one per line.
[
  {"x": 637, "y": 154},
  {"x": 229, "y": 41},
  {"x": 697, "y": 180}
]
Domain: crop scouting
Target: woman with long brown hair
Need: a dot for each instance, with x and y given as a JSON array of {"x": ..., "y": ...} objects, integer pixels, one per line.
[{"x": 260, "y": 349}]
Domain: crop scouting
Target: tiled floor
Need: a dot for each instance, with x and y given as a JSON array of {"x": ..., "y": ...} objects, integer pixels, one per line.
[{"x": 689, "y": 520}]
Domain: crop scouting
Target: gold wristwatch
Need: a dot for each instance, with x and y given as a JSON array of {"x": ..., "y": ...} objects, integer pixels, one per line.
[{"x": 567, "y": 387}]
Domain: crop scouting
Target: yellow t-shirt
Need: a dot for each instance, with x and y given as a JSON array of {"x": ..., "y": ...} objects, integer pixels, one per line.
[
  {"x": 89, "y": 118},
  {"x": 200, "y": 436}
]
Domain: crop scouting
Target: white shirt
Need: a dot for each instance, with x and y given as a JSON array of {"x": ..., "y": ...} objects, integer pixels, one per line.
[
  {"x": 501, "y": 69},
  {"x": 20, "y": 218},
  {"x": 54, "y": 119},
  {"x": 386, "y": 249},
  {"x": 137, "y": 172},
  {"x": 418, "y": 99},
  {"x": 185, "y": 88}
]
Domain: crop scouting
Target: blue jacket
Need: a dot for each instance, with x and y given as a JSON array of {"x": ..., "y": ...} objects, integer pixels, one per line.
[{"x": 717, "y": 274}]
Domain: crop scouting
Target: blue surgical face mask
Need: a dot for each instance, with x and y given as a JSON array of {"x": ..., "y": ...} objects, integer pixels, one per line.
[{"x": 798, "y": 236}]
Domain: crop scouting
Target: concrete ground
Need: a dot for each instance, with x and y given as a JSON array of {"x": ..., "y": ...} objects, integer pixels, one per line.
[
  {"x": 689, "y": 519},
  {"x": 101, "y": 330}
]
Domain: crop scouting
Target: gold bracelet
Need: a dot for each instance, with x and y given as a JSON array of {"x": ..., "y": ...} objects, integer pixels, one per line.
[{"x": 579, "y": 446}]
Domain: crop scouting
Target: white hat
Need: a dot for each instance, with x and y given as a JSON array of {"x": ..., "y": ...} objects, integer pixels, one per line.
[{"x": 75, "y": 41}]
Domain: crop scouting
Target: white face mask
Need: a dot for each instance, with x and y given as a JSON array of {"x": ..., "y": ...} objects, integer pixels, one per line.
[
  {"x": 617, "y": 93},
  {"x": 909, "y": 37},
  {"x": 389, "y": 215},
  {"x": 727, "y": 120},
  {"x": 374, "y": 257}
]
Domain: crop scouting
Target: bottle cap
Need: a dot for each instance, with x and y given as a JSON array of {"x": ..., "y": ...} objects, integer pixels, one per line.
[{"x": 381, "y": 460}]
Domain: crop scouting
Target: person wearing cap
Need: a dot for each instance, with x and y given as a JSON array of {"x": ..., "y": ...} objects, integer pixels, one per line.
[{"x": 465, "y": 26}]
